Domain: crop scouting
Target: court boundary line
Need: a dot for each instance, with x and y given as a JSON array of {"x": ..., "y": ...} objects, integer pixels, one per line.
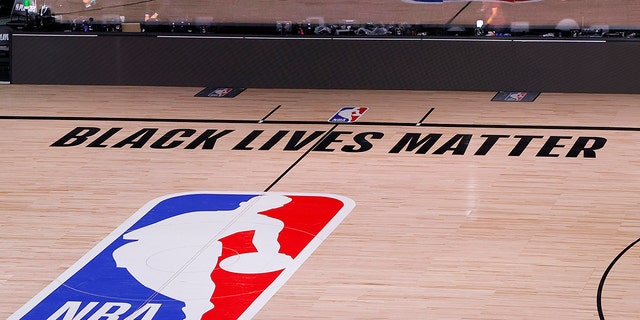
[
  {"x": 419, "y": 123},
  {"x": 293, "y": 122},
  {"x": 269, "y": 114},
  {"x": 284, "y": 173},
  {"x": 604, "y": 278}
]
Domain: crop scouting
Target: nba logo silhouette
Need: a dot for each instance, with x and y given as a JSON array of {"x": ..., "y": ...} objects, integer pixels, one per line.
[
  {"x": 221, "y": 92},
  {"x": 348, "y": 114},
  {"x": 200, "y": 255},
  {"x": 516, "y": 96}
]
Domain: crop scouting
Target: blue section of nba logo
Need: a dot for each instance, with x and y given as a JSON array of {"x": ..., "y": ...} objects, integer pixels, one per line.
[{"x": 101, "y": 283}]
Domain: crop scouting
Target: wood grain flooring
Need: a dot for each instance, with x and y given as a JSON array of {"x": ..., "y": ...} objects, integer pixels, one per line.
[{"x": 497, "y": 220}]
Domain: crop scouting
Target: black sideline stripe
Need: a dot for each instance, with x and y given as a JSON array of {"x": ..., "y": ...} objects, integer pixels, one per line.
[{"x": 384, "y": 124}]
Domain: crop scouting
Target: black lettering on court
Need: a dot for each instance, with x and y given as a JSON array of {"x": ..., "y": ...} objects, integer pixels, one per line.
[
  {"x": 166, "y": 142},
  {"x": 418, "y": 143},
  {"x": 75, "y": 137},
  {"x": 362, "y": 142},
  {"x": 208, "y": 139}
]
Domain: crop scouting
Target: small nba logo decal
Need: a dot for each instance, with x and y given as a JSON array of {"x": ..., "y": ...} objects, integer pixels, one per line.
[
  {"x": 348, "y": 114},
  {"x": 220, "y": 92},
  {"x": 516, "y": 96},
  {"x": 212, "y": 92},
  {"x": 193, "y": 256}
]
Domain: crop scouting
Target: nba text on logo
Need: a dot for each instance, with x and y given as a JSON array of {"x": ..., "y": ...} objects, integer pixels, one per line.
[{"x": 193, "y": 256}]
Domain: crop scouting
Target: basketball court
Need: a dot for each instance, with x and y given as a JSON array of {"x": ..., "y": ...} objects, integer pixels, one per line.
[{"x": 465, "y": 208}]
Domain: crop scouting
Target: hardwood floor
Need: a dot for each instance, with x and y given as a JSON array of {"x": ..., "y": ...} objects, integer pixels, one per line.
[{"x": 486, "y": 210}]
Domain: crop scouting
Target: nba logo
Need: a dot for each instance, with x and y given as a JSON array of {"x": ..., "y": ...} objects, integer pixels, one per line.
[
  {"x": 220, "y": 92},
  {"x": 200, "y": 255},
  {"x": 348, "y": 114},
  {"x": 516, "y": 96}
]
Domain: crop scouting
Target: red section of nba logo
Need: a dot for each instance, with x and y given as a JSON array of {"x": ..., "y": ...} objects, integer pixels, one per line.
[{"x": 304, "y": 217}]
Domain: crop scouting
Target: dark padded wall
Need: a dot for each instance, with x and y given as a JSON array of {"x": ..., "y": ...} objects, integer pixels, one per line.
[{"x": 553, "y": 65}]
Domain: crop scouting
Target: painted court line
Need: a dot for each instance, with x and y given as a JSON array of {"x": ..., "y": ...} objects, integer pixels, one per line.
[
  {"x": 301, "y": 157},
  {"x": 294, "y": 122}
]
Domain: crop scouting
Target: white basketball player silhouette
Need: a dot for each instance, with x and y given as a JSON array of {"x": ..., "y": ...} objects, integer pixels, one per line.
[{"x": 175, "y": 256}]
